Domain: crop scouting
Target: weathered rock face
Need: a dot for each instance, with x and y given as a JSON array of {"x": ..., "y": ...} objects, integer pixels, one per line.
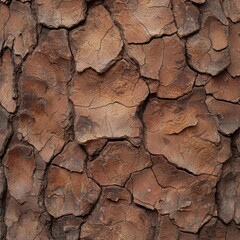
[
  {"x": 44, "y": 110},
  {"x": 116, "y": 162},
  {"x": 156, "y": 62},
  {"x": 97, "y": 97},
  {"x": 234, "y": 40},
  {"x": 119, "y": 120},
  {"x": 207, "y": 50},
  {"x": 69, "y": 193},
  {"x": 60, "y": 13},
  {"x": 103, "y": 35},
  {"x": 131, "y": 222},
  {"x": 17, "y": 28},
  {"x": 180, "y": 129},
  {"x": 155, "y": 188},
  {"x": 227, "y": 122},
  {"x": 7, "y": 94},
  {"x": 142, "y": 19},
  {"x": 186, "y": 17}
]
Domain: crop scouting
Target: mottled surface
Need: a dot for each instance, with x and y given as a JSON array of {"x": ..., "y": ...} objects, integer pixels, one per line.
[{"x": 119, "y": 120}]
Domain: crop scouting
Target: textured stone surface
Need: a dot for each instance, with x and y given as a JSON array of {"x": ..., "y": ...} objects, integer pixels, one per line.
[
  {"x": 18, "y": 28},
  {"x": 232, "y": 9},
  {"x": 227, "y": 115},
  {"x": 207, "y": 50},
  {"x": 116, "y": 162},
  {"x": 155, "y": 188},
  {"x": 60, "y": 13},
  {"x": 7, "y": 88},
  {"x": 5, "y": 129},
  {"x": 69, "y": 193},
  {"x": 186, "y": 17},
  {"x": 96, "y": 44},
  {"x": 143, "y": 19},
  {"x": 119, "y": 120},
  {"x": 97, "y": 97},
  {"x": 44, "y": 110},
  {"x": 234, "y": 40},
  {"x": 179, "y": 129},
  {"x": 72, "y": 158},
  {"x": 131, "y": 222},
  {"x": 224, "y": 87},
  {"x": 67, "y": 227},
  {"x": 156, "y": 62}
]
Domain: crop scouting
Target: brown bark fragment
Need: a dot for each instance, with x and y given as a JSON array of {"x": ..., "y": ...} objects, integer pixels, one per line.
[
  {"x": 179, "y": 129},
  {"x": 69, "y": 193},
  {"x": 234, "y": 41},
  {"x": 44, "y": 110},
  {"x": 116, "y": 162},
  {"x": 227, "y": 115},
  {"x": 66, "y": 228},
  {"x": 115, "y": 218},
  {"x": 224, "y": 87},
  {"x": 207, "y": 50},
  {"x": 142, "y": 19},
  {"x": 19, "y": 29},
  {"x": 188, "y": 199},
  {"x": 96, "y": 44},
  {"x": 186, "y": 17},
  {"x": 156, "y": 61},
  {"x": 60, "y": 13},
  {"x": 7, "y": 91},
  {"x": 72, "y": 158},
  {"x": 232, "y": 9},
  {"x": 97, "y": 97}
]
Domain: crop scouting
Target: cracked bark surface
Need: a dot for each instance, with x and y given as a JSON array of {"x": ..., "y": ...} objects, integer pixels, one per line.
[{"x": 119, "y": 120}]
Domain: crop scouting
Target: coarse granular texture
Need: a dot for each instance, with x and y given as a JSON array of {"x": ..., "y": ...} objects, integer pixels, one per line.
[{"x": 120, "y": 119}]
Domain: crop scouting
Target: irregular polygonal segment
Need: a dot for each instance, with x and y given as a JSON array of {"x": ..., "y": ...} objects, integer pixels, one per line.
[
  {"x": 183, "y": 131},
  {"x": 234, "y": 41},
  {"x": 116, "y": 162},
  {"x": 97, "y": 43},
  {"x": 106, "y": 105},
  {"x": 115, "y": 217},
  {"x": 207, "y": 50},
  {"x": 69, "y": 193},
  {"x": 142, "y": 19},
  {"x": 44, "y": 110},
  {"x": 60, "y": 13},
  {"x": 19, "y": 29},
  {"x": 188, "y": 199},
  {"x": 157, "y": 62},
  {"x": 232, "y": 9},
  {"x": 224, "y": 87},
  {"x": 71, "y": 158},
  {"x": 186, "y": 17},
  {"x": 7, "y": 86},
  {"x": 226, "y": 115}
]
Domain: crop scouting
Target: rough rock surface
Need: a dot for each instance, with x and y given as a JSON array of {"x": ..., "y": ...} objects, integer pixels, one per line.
[
  {"x": 44, "y": 110},
  {"x": 96, "y": 44},
  {"x": 234, "y": 40},
  {"x": 106, "y": 105},
  {"x": 17, "y": 28},
  {"x": 7, "y": 94},
  {"x": 176, "y": 79},
  {"x": 180, "y": 129},
  {"x": 142, "y": 19},
  {"x": 116, "y": 162},
  {"x": 119, "y": 120},
  {"x": 69, "y": 193},
  {"x": 60, "y": 13},
  {"x": 207, "y": 50}
]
